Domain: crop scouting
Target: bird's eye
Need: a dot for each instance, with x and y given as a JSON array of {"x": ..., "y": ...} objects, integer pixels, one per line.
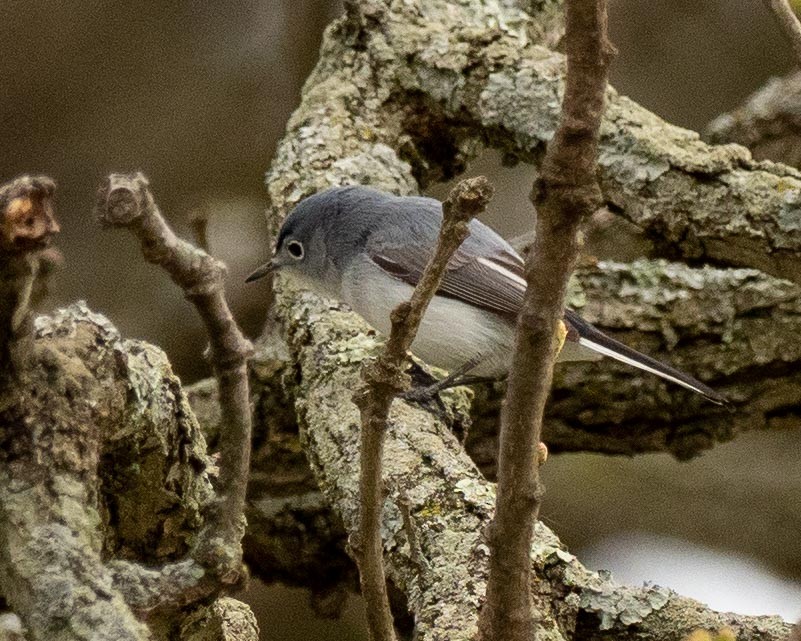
[{"x": 295, "y": 249}]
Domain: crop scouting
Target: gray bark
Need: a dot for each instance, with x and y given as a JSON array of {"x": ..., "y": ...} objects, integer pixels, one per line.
[
  {"x": 404, "y": 94},
  {"x": 103, "y": 483},
  {"x": 768, "y": 122}
]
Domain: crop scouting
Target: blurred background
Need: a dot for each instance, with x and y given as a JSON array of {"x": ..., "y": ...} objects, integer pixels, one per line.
[{"x": 196, "y": 95}]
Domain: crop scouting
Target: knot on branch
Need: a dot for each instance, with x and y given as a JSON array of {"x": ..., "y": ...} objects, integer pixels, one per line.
[
  {"x": 384, "y": 377},
  {"x": 123, "y": 199},
  {"x": 27, "y": 222},
  {"x": 468, "y": 199}
]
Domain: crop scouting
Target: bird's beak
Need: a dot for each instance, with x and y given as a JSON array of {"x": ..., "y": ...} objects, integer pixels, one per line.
[{"x": 262, "y": 271}]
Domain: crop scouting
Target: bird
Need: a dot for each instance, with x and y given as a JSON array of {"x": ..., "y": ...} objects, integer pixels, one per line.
[{"x": 368, "y": 249}]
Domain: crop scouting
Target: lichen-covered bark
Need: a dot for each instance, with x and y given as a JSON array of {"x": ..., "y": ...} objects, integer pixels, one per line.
[
  {"x": 404, "y": 94},
  {"x": 292, "y": 531},
  {"x": 225, "y": 619},
  {"x": 103, "y": 469},
  {"x": 432, "y": 80},
  {"x": 735, "y": 328},
  {"x": 435, "y": 490}
]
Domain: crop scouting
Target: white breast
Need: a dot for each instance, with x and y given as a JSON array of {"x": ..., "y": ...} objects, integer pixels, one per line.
[{"x": 451, "y": 332}]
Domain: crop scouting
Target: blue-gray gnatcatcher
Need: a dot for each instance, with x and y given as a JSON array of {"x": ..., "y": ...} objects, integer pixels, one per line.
[{"x": 368, "y": 249}]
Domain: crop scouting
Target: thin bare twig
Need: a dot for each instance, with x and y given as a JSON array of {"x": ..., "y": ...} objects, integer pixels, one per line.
[
  {"x": 126, "y": 201},
  {"x": 566, "y": 195},
  {"x": 199, "y": 223},
  {"x": 383, "y": 379},
  {"x": 789, "y": 23}
]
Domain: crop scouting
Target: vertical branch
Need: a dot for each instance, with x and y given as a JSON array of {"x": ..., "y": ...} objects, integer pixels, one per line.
[
  {"x": 126, "y": 201},
  {"x": 383, "y": 380},
  {"x": 566, "y": 194},
  {"x": 789, "y": 23}
]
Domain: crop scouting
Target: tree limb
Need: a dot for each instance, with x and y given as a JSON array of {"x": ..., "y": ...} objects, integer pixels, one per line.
[
  {"x": 406, "y": 98},
  {"x": 451, "y": 504},
  {"x": 126, "y": 201},
  {"x": 788, "y": 22},
  {"x": 768, "y": 122},
  {"x": 384, "y": 379},
  {"x": 737, "y": 329},
  {"x": 449, "y": 78}
]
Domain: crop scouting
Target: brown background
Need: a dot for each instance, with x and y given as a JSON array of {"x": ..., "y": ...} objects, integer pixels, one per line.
[{"x": 196, "y": 94}]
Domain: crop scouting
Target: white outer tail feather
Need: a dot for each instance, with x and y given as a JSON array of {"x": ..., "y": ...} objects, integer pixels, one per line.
[{"x": 606, "y": 351}]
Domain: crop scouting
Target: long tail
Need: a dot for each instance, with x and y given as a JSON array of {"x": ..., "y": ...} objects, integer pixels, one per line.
[{"x": 592, "y": 338}]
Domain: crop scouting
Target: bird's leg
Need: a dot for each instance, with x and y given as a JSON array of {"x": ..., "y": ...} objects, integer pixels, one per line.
[{"x": 454, "y": 379}]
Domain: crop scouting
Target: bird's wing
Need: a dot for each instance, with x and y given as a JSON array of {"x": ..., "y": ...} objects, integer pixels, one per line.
[
  {"x": 489, "y": 275},
  {"x": 491, "y": 279}
]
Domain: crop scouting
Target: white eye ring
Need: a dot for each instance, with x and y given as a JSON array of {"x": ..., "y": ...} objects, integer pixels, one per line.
[{"x": 295, "y": 249}]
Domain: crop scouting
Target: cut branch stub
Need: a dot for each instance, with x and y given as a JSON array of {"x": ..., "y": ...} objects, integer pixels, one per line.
[
  {"x": 27, "y": 225},
  {"x": 27, "y": 222}
]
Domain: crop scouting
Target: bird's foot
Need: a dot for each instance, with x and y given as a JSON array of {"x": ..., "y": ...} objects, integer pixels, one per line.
[{"x": 425, "y": 393}]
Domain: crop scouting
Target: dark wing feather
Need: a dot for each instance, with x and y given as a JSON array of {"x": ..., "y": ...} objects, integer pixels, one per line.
[{"x": 489, "y": 279}]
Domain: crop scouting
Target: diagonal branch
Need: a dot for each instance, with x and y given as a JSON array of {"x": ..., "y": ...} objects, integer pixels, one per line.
[
  {"x": 384, "y": 379},
  {"x": 789, "y": 23},
  {"x": 126, "y": 201},
  {"x": 404, "y": 100}
]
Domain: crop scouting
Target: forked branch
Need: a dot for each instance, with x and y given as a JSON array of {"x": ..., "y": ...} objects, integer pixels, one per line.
[{"x": 126, "y": 201}]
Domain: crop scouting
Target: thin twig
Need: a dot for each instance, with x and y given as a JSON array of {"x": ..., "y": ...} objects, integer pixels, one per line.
[
  {"x": 384, "y": 379},
  {"x": 789, "y": 23},
  {"x": 126, "y": 201},
  {"x": 566, "y": 194},
  {"x": 199, "y": 223},
  {"x": 404, "y": 505}
]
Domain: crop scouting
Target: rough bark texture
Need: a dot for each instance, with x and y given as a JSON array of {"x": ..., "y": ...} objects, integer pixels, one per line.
[
  {"x": 102, "y": 458},
  {"x": 383, "y": 380},
  {"x": 735, "y": 328},
  {"x": 408, "y": 90},
  {"x": 225, "y": 619},
  {"x": 404, "y": 94},
  {"x": 565, "y": 194},
  {"x": 448, "y": 504},
  {"x": 126, "y": 201},
  {"x": 768, "y": 122}
]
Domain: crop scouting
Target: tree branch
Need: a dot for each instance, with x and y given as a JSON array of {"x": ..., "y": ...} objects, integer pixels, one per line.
[
  {"x": 450, "y": 503},
  {"x": 407, "y": 99},
  {"x": 384, "y": 379},
  {"x": 452, "y": 78},
  {"x": 126, "y": 201},
  {"x": 768, "y": 122},
  {"x": 566, "y": 195},
  {"x": 788, "y": 22},
  {"x": 26, "y": 228}
]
